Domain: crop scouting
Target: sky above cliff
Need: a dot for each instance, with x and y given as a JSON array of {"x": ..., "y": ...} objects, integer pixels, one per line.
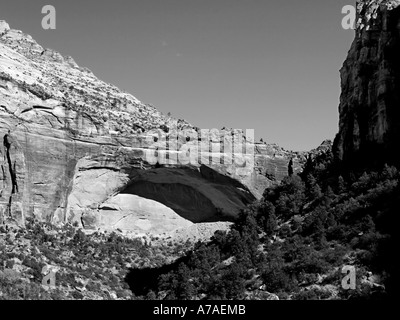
[{"x": 267, "y": 65}]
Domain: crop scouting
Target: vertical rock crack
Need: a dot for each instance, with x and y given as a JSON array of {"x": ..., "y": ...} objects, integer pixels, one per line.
[{"x": 7, "y": 144}]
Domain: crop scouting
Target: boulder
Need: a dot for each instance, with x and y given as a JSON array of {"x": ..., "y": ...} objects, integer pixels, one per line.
[{"x": 4, "y": 27}]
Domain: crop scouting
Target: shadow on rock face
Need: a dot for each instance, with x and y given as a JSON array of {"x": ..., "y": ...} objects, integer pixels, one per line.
[{"x": 197, "y": 195}]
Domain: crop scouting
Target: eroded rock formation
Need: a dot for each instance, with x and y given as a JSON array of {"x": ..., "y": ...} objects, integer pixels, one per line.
[
  {"x": 77, "y": 150},
  {"x": 369, "y": 126}
]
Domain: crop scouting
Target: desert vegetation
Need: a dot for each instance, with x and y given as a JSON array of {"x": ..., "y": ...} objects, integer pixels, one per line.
[{"x": 88, "y": 266}]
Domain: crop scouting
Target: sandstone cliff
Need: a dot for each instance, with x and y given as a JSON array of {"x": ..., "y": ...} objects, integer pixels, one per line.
[
  {"x": 369, "y": 126},
  {"x": 76, "y": 149}
]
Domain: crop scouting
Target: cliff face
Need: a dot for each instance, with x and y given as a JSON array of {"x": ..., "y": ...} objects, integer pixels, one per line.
[
  {"x": 369, "y": 125},
  {"x": 77, "y": 149}
]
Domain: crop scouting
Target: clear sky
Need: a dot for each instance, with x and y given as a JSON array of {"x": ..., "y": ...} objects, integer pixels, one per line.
[{"x": 268, "y": 65}]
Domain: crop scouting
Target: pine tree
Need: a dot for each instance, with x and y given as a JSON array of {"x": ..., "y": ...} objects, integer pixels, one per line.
[
  {"x": 290, "y": 168},
  {"x": 316, "y": 191},
  {"x": 270, "y": 224},
  {"x": 329, "y": 193},
  {"x": 341, "y": 185}
]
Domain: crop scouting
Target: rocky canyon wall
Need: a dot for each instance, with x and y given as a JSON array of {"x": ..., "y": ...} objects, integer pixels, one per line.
[
  {"x": 75, "y": 148},
  {"x": 369, "y": 125}
]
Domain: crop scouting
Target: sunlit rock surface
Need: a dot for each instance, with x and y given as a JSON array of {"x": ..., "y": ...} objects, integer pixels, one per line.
[{"x": 73, "y": 144}]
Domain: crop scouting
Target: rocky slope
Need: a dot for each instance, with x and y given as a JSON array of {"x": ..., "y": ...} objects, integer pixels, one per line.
[
  {"x": 78, "y": 149},
  {"x": 369, "y": 127}
]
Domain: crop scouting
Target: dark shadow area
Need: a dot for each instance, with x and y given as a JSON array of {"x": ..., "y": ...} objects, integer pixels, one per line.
[
  {"x": 216, "y": 177},
  {"x": 141, "y": 281},
  {"x": 7, "y": 145},
  {"x": 198, "y": 195}
]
